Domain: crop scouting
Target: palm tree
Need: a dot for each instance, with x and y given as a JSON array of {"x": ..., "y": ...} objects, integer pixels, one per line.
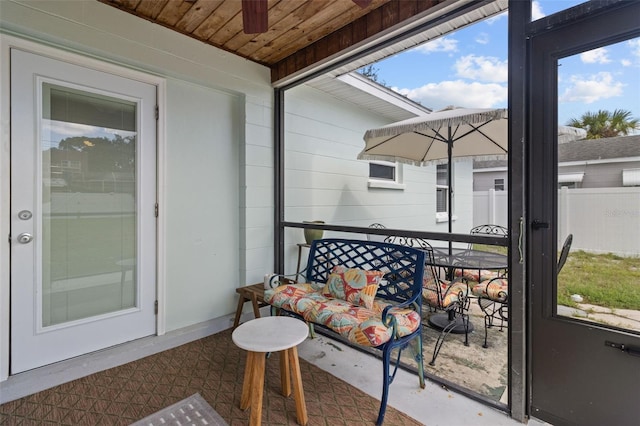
[{"x": 605, "y": 124}]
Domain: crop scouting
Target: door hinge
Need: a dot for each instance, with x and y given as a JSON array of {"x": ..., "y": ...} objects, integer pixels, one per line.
[
  {"x": 156, "y": 209},
  {"x": 157, "y": 112},
  {"x": 155, "y": 307}
]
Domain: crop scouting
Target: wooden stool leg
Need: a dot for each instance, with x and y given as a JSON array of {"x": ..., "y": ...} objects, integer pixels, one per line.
[
  {"x": 298, "y": 393},
  {"x": 245, "y": 399},
  {"x": 257, "y": 387},
  {"x": 285, "y": 375}
]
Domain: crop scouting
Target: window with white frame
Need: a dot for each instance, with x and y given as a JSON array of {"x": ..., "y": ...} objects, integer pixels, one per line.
[
  {"x": 384, "y": 174},
  {"x": 442, "y": 189},
  {"x": 498, "y": 184}
]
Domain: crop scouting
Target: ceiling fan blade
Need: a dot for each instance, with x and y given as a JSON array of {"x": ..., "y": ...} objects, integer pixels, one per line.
[
  {"x": 362, "y": 3},
  {"x": 255, "y": 16}
]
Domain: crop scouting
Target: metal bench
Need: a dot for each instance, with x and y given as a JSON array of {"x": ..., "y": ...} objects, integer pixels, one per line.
[{"x": 391, "y": 320}]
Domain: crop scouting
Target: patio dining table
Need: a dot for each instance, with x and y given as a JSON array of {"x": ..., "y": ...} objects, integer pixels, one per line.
[
  {"x": 463, "y": 258},
  {"x": 466, "y": 258}
]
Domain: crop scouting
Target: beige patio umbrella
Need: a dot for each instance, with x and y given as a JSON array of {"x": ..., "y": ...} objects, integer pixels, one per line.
[{"x": 443, "y": 136}]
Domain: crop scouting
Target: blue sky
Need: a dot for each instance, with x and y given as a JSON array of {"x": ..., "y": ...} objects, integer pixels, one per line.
[{"x": 468, "y": 68}]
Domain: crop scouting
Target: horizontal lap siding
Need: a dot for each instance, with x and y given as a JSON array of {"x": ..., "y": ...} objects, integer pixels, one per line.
[
  {"x": 325, "y": 181},
  {"x": 202, "y": 192}
]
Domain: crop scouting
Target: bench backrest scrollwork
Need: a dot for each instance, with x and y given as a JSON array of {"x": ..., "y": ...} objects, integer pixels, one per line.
[{"x": 403, "y": 266}]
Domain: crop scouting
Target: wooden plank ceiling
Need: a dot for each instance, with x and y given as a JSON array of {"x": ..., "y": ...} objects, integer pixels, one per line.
[{"x": 300, "y": 32}]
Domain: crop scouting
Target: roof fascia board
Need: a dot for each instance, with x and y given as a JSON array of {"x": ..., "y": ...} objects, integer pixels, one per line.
[{"x": 383, "y": 93}]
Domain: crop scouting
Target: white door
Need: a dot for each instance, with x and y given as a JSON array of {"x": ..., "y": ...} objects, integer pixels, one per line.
[{"x": 83, "y": 194}]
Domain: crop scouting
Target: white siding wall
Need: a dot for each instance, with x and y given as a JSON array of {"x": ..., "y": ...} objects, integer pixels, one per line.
[
  {"x": 202, "y": 198},
  {"x": 484, "y": 181},
  {"x": 217, "y": 165},
  {"x": 325, "y": 181}
]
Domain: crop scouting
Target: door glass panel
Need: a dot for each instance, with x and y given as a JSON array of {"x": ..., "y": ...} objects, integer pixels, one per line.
[
  {"x": 599, "y": 185},
  {"x": 88, "y": 156}
]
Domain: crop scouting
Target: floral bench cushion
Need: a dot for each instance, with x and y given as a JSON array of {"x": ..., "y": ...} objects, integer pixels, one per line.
[
  {"x": 496, "y": 289},
  {"x": 358, "y": 324},
  {"x": 353, "y": 285}
]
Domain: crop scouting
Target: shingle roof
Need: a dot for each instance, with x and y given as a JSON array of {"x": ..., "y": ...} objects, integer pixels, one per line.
[
  {"x": 585, "y": 150},
  {"x": 600, "y": 149}
]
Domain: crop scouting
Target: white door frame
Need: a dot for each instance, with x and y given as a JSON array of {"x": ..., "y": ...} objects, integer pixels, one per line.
[{"x": 6, "y": 43}]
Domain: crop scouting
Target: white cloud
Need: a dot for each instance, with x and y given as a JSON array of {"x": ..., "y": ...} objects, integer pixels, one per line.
[
  {"x": 482, "y": 38},
  {"x": 591, "y": 89},
  {"x": 482, "y": 68},
  {"x": 595, "y": 56},
  {"x": 459, "y": 93},
  {"x": 444, "y": 44},
  {"x": 625, "y": 63},
  {"x": 536, "y": 11},
  {"x": 634, "y": 46}
]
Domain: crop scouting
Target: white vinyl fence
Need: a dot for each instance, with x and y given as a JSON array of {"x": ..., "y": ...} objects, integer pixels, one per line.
[{"x": 602, "y": 220}]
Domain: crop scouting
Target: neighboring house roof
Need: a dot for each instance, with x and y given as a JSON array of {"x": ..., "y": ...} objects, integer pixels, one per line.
[
  {"x": 585, "y": 150},
  {"x": 367, "y": 94},
  {"x": 600, "y": 149}
]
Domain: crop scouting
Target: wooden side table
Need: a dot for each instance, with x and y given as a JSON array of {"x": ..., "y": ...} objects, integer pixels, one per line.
[
  {"x": 253, "y": 293},
  {"x": 271, "y": 334}
]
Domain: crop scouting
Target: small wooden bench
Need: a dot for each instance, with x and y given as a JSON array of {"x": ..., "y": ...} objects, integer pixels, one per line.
[{"x": 252, "y": 293}]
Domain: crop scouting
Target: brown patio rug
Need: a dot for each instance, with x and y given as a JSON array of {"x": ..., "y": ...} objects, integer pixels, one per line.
[{"x": 212, "y": 367}]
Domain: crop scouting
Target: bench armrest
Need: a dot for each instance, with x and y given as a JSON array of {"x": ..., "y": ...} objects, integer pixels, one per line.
[{"x": 277, "y": 280}]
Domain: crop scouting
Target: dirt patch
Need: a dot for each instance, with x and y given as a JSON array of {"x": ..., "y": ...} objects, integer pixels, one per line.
[{"x": 481, "y": 370}]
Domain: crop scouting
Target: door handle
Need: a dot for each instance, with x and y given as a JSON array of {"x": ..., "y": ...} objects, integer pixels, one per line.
[
  {"x": 631, "y": 350},
  {"x": 25, "y": 238},
  {"x": 538, "y": 224}
]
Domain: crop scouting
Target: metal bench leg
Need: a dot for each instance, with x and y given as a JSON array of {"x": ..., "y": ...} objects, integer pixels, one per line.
[
  {"x": 386, "y": 379},
  {"x": 420, "y": 360}
]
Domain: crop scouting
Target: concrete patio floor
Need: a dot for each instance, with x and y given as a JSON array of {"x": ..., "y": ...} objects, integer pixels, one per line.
[{"x": 431, "y": 406}]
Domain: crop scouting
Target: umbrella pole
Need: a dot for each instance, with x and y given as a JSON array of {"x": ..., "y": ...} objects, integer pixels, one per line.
[{"x": 450, "y": 184}]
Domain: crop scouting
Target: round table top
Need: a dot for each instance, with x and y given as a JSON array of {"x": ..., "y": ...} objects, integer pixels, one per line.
[
  {"x": 469, "y": 258},
  {"x": 270, "y": 334}
]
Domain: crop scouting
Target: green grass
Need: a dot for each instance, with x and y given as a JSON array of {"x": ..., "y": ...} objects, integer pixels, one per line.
[{"x": 601, "y": 279}]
